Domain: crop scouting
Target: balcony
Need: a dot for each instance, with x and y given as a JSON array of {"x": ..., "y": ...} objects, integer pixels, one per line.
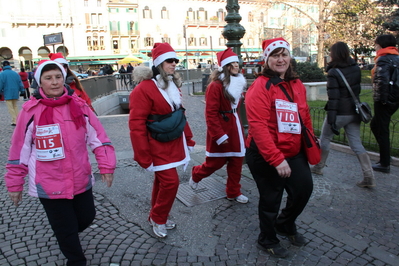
[
  {"x": 209, "y": 23},
  {"x": 96, "y": 27},
  {"x": 125, "y": 32},
  {"x": 39, "y": 21}
]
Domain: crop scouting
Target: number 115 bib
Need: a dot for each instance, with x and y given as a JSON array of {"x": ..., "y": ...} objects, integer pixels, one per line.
[{"x": 49, "y": 146}]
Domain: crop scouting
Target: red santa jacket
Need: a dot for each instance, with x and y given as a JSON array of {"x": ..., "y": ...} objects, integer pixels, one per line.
[
  {"x": 262, "y": 118},
  {"x": 24, "y": 79},
  {"x": 146, "y": 99},
  {"x": 222, "y": 126}
]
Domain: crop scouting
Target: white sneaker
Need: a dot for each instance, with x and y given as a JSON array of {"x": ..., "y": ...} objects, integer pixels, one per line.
[
  {"x": 159, "y": 229},
  {"x": 170, "y": 224},
  {"x": 240, "y": 199},
  {"x": 192, "y": 184}
]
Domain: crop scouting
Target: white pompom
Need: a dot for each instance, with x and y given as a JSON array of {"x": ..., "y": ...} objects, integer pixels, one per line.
[{"x": 220, "y": 69}]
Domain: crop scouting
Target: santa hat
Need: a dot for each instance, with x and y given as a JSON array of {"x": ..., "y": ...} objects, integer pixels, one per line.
[
  {"x": 161, "y": 52},
  {"x": 269, "y": 46},
  {"x": 226, "y": 57},
  {"x": 58, "y": 57},
  {"x": 44, "y": 63}
]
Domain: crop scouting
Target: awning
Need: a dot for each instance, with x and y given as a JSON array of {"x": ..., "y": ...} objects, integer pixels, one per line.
[{"x": 98, "y": 62}]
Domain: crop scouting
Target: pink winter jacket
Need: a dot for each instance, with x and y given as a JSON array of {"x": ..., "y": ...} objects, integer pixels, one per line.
[{"x": 64, "y": 178}]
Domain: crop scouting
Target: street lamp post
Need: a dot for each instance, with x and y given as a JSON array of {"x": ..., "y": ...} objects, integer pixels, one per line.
[{"x": 233, "y": 31}]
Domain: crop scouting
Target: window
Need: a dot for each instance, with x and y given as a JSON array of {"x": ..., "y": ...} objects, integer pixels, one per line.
[
  {"x": 86, "y": 3},
  {"x": 99, "y": 3},
  {"x": 94, "y": 19},
  {"x": 102, "y": 46},
  {"x": 203, "y": 41},
  {"x": 148, "y": 41},
  {"x": 166, "y": 39},
  {"x": 220, "y": 14},
  {"x": 115, "y": 44},
  {"x": 88, "y": 40},
  {"x": 164, "y": 13},
  {"x": 250, "y": 17},
  {"x": 192, "y": 41},
  {"x": 261, "y": 17},
  {"x": 202, "y": 14},
  {"x": 147, "y": 12},
  {"x": 251, "y": 41},
  {"x": 190, "y": 14},
  {"x": 222, "y": 41},
  {"x": 132, "y": 44}
]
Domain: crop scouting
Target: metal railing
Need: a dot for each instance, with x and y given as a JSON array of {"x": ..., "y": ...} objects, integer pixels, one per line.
[{"x": 318, "y": 115}]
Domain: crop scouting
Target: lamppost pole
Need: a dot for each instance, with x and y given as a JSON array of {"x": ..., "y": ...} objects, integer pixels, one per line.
[{"x": 233, "y": 31}]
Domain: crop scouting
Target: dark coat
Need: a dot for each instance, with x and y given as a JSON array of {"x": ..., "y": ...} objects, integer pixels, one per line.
[
  {"x": 383, "y": 91},
  {"x": 340, "y": 101}
]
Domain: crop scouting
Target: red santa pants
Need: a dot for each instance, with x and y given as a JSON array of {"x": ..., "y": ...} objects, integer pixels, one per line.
[
  {"x": 212, "y": 164},
  {"x": 164, "y": 190}
]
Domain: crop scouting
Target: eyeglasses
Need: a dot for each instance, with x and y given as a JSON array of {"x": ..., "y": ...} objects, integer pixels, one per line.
[
  {"x": 65, "y": 65},
  {"x": 171, "y": 60}
]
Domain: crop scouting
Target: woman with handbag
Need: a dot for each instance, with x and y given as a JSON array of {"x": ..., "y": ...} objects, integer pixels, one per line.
[
  {"x": 224, "y": 134},
  {"x": 276, "y": 105},
  {"x": 341, "y": 111},
  {"x": 385, "y": 95},
  {"x": 24, "y": 78},
  {"x": 151, "y": 98}
]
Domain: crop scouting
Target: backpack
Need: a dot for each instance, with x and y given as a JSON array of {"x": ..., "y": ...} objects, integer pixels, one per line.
[{"x": 393, "y": 95}]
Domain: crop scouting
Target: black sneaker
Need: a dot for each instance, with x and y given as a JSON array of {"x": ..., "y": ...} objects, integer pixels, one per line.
[
  {"x": 297, "y": 239},
  {"x": 277, "y": 252}
]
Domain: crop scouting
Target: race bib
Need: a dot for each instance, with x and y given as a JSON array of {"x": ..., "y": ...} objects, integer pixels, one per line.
[
  {"x": 287, "y": 117},
  {"x": 48, "y": 142}
]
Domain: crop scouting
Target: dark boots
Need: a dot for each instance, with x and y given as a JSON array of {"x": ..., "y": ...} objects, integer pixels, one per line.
[
  {"x": 368, "y": 174},
  {"x": 318, "y": 168}
]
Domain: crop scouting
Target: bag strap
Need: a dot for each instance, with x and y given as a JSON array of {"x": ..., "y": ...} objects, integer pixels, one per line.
[
  {"x": 158, "y": 118},
  {"x": 347, "y": 85},
  {"x": 291, "y": 100}
]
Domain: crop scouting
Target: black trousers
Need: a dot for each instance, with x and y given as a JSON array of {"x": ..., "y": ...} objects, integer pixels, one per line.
[
  {"x": 299, "y": 187},
  {"x": 67, "y": 217},
  {"x": 380, "y": 127}
]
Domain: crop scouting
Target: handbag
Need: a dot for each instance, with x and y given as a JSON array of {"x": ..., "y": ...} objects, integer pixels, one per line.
[
  {"x": 362, "y": 108},
  {"x": 167, "y": 127},
  {"x": 310, "y": 142}
]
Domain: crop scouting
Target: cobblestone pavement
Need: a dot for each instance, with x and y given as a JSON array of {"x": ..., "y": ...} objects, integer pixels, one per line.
[{"x": 344, "y": 224}]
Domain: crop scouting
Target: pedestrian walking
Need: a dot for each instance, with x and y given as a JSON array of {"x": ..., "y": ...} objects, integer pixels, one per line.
[
  {"x": 11, "y": 87},
  {"x": 385, "y": 95},
  {"x": 224, "y": 135},
  {"x": 275, "y": 104},
  {"x": 150, "y": 100},
  {"x": 71, "y": 79},
  {"x": 49, "y": 145},
  {"x": 341, "y": 111},
  {"x": 24, "y": 78}
]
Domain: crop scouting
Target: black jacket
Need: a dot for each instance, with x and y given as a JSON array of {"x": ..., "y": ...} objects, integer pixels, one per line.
[
  {"x": 340, "y": 101},
  {"x": 382, "y": 90}
]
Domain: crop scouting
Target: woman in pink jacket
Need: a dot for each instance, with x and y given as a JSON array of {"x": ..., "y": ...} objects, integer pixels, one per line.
[{"x": 50, "y": 144}]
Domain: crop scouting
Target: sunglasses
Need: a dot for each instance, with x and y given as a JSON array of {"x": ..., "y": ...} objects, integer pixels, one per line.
[{"x": 171, "y": 60}]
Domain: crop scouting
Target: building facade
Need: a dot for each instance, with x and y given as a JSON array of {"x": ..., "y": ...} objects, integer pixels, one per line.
[{"x": 98, "y": 32}]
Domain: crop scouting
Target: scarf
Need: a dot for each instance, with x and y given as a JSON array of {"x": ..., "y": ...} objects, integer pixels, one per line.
[
  {"x": 381, "y": 52},
  {"x": 46, "y": 118}
]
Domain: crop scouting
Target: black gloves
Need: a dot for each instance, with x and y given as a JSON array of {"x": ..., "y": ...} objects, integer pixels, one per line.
[
  {"x": 334, "y": 129},
  {"x": 331, "y": 117}
]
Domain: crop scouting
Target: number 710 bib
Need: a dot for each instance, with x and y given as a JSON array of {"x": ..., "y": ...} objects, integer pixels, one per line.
[
  {"x": 49, "y": 146},
  {"x": 287, "y": 117}
]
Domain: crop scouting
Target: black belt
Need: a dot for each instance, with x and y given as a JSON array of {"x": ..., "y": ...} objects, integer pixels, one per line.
[{"x": 232, "y": 111}]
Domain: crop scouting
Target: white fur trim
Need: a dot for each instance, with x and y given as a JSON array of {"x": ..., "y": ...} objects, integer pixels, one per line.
[
  {"x": 228, "y": 60},
  {"x": 61, "y": 61},
  {"x": 236, "y": 87},
  {"x": 220, "y": 69},
  {"x": 222, "y": 138},
  {"x": 163, "y": 57},
  {"x": 274, "y": 45},
  {"x": 39, "y": 69}
]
